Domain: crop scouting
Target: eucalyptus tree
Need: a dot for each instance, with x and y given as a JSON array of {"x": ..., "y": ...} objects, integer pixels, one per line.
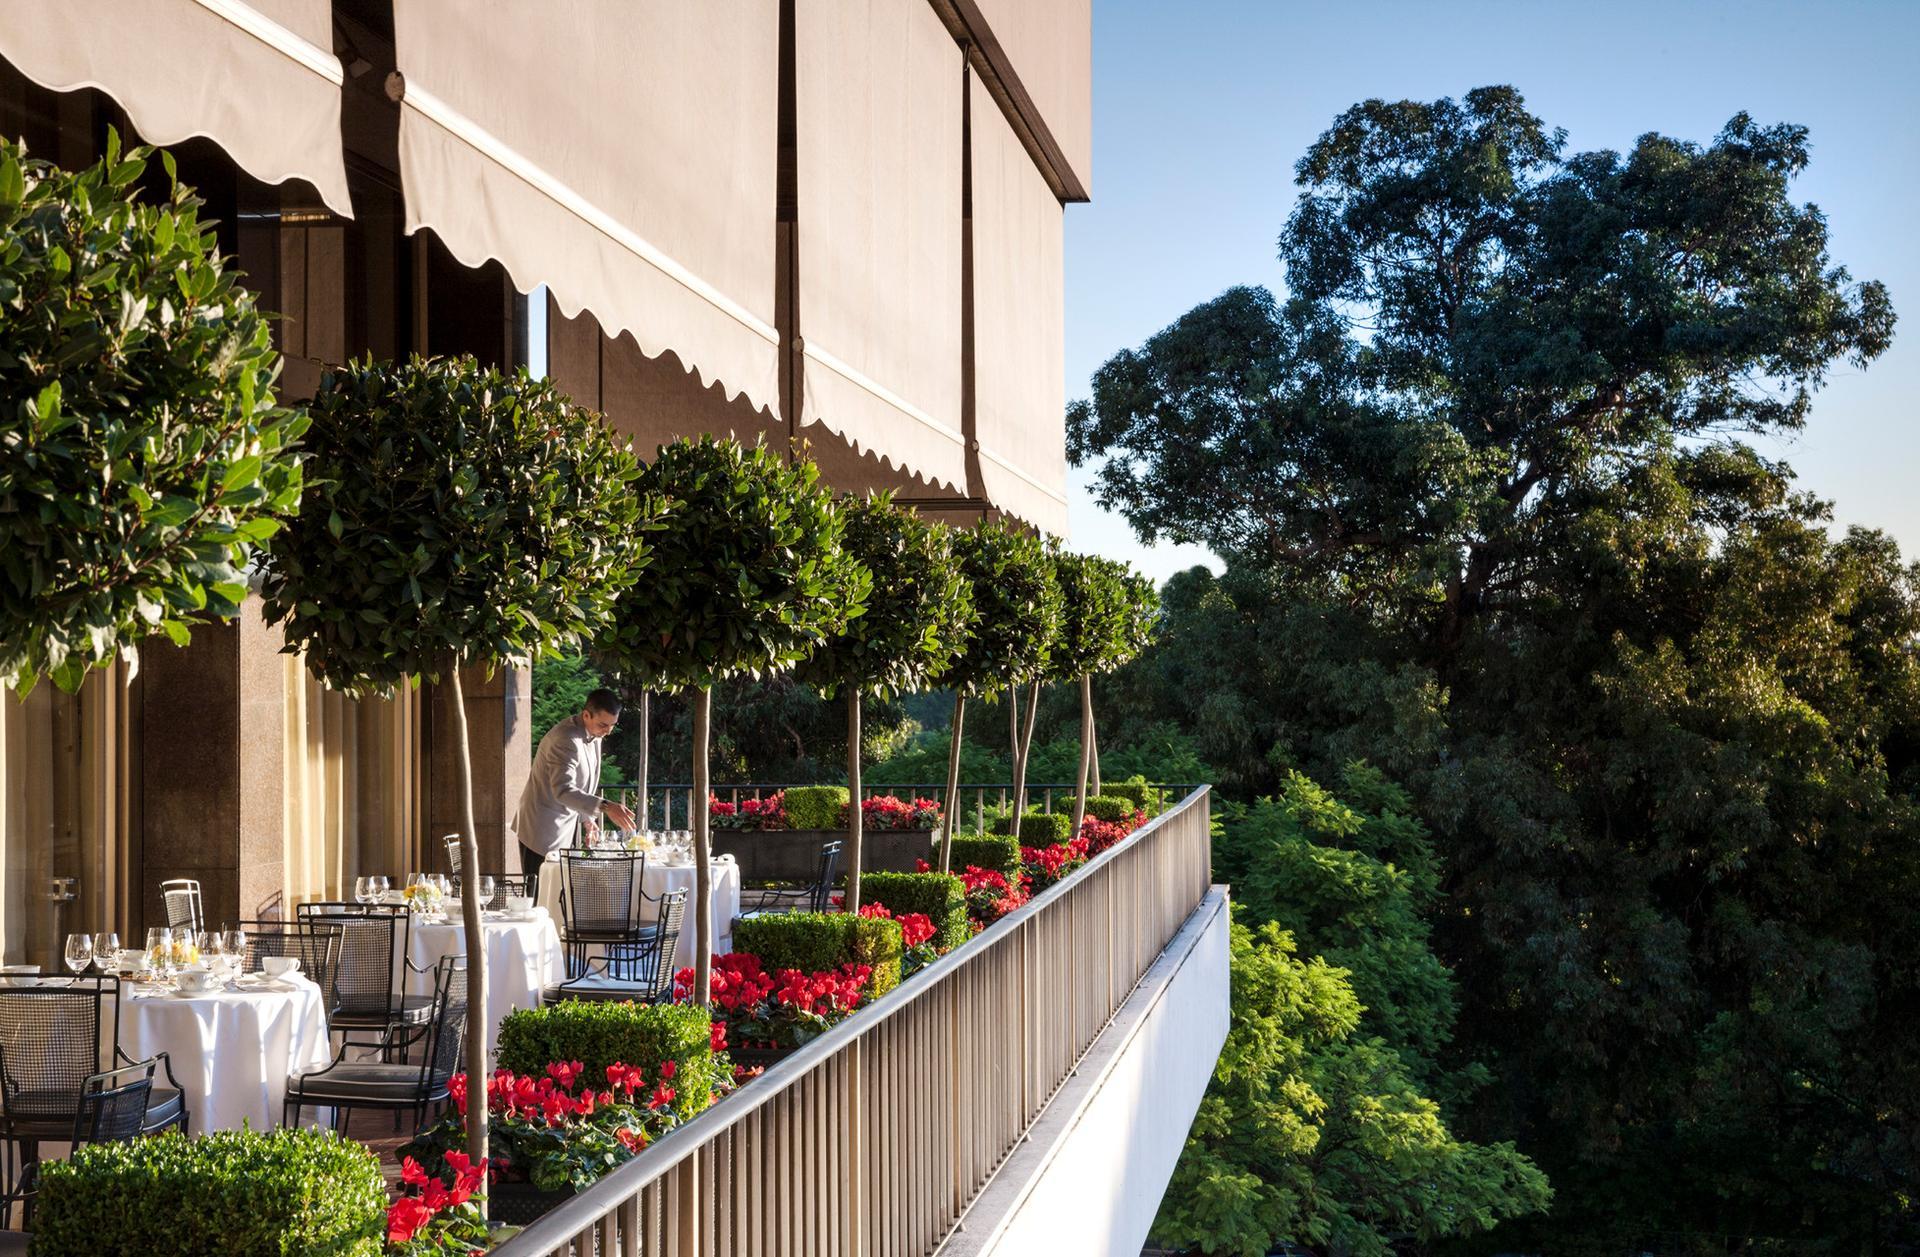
[
  {"x": 747, "y": 579},
  {"x": 918, "y": 618},
  {"x": 143, "y": 458},
  {"x": 1107, "y": 614},
  {"x": 456, "y": 516}
]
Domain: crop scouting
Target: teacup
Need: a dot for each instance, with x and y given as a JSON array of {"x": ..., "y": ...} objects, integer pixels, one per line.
[
  {"x": 279, "y": 966},
  {"x": 194, "y": 979},
  {"x": 519, "y": 903}
]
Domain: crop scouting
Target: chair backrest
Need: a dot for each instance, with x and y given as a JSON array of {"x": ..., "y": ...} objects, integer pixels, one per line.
[
  {"x": 371, "y": 953},
  {"x": 673, "y": 907},
  {"x": 315, "y": 944},
  {"x": 113, "y": 1104},
  {"x": 600, "y": 894},
  {"x": 52, "y": 1039},
  {"x": 823, "y": 885},
  {"x": 446, "y": 1034},
  {"x": 181, "y": 895},
  {"x": 502, "y": 887},
  {"x": 452, "y": 842}
]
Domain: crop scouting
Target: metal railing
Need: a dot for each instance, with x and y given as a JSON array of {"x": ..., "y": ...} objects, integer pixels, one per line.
[
  {"x": 873, "y": 1139},
  {"x": 673, "y": 801}
]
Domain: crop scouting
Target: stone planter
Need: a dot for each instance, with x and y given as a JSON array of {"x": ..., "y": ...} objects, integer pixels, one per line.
[
  {"x": 522, "y": 1204},
  {"x": 793, "y": 855}
]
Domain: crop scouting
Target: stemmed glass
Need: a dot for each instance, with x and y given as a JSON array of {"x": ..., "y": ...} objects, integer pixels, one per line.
[
  {"x": 106, "y": 951},
  {"x": 233, "y": 941},
  {"x": 363, "y": 890},
  {"x": 79, "y": 952},
  {"x": 485, "y": 887},
  {"x": 378, "y": 886},
  {"x": 160, "y": 950}
]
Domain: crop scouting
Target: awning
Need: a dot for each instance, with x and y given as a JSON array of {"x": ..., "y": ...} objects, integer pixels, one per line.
[
  {"x": 1019, "y": 325},
  {"x": 878, "y": 112},
  {"x": 622, "y": 154},
  {"x": 259, "y": 79}
]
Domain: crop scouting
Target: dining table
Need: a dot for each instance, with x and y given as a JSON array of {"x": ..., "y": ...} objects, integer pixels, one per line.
[
  {"x": 524, "y": 958},
  {"x": 662, "y": 874}
]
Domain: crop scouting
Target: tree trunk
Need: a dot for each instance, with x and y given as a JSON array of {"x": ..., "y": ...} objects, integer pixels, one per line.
[
  {"x": 1086, "y": 754},
  {"x": 950, "y": 816},
  {"x": 856, "y": 815},
  {"x": 1023, "y": 747},
  {"x": 1093, "y": 738},
  {"x": 476, "y": 937},
  {"x": 646, "y": 745},
  {"x": 702, "y": 849}
]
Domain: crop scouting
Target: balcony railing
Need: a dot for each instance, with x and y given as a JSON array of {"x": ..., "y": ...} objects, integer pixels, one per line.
[
  {"x": 669, "y": 802},
  {"x": 873, "y": 1139}
]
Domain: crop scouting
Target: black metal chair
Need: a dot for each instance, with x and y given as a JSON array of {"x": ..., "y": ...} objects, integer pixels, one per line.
[
  {"x": 503, "y": 886},
  {"x": 641, "y": 972},
  {"x": 181, "y": 895},
  {"x": 113, "y": 1106},
  {"x": 370, "y": 967},
  {"x": 452, "y": 844},
  {"x": 600, "y": 907},
  {"x": 395, "y": 1085},
  {"x": 815, "y": 896},
  {"x": 315, "y": 944}
]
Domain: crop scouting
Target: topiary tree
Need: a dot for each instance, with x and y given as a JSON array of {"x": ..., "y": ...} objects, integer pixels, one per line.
[
  {"x": 457, "y": 516},
  {"x": 1017, "y": 606},
  {"x": 748, "y": 577},
  {"x": 918, "y": 617},
  {"x": 142, "y": 456},
  {"x": 1107, "y": 614}
]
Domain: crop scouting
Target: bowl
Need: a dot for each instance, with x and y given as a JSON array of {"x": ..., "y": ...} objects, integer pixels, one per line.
[
  {"x": 194, "y": 979},
  {"x": 19, "y": 975},
  {"x": 519, "y": 903},
  {"x": 279, "y": 966}
]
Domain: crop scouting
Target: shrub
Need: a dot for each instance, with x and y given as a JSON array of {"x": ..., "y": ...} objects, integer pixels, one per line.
[
  {"x": 598, "y": 1033},
  {"x": 997, "y": 853},
  {"x": 1146, "y": 798},
  {"x": 232, "y": 1193},
  {"x": 1038, "y": 829},
  {"x": 1112, "y": 808},
  {"x": 817, "y": 807},
  {"x": 940, "y": 897},
  {"x": 814, "y": 942}
]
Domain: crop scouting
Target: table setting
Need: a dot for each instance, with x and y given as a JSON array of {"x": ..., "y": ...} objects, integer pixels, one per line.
[
  {"x": 524, "y": 956},
  {"x": 669, "y": 866}
]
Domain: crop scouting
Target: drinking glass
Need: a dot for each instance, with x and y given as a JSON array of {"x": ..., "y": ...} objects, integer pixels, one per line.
[
  {"x": 160, "y": 949},
  {"x": 444, "y": 884},
  {"x": 79, "y": 952},
  {"x": 378, "y": 886},
  {"x": 485, "y": 887},
  {"x": 233, "y": 941},
  {"x": 106, "y": 951},
  {"x": 363, "y": 890}
]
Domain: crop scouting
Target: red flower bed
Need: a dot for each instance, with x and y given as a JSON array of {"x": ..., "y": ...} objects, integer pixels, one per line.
[
  {"x": 1100, "y": 835},
  {"x": 884, "y": 812},
  {"x": 1046, "y": 865},
  {"x": 915, "y": 927},
  {"x": 775, "y": 1010},
  {"x": 769, "y": 812}
]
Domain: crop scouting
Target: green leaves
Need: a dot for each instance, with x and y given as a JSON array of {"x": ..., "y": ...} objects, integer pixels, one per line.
[
  {"x": 1017, "y": 604},
  {"x": 1107, "y": 615},
  {"x": 143, "y": 461}
]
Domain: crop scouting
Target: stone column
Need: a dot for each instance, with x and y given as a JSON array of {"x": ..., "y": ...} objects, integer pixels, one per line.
[
  {"x": 499, "y": 709},
  {"x": 213, "y": 771}
]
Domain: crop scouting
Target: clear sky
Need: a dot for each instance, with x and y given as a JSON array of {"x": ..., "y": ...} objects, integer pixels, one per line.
[{"x": 1201, "y": 108}]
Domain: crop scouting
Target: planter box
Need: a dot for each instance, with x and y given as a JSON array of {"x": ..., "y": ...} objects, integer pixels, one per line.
[
  {"x": 793, "y": 855},
  {"x": 522, "y": 1204},
  {"x": 764, "y": 1058}
]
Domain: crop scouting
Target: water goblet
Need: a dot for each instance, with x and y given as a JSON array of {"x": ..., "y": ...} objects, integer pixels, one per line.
[
  {"x": 106, "y": 950},
  {"x": 160, "y": 949},
  {"x": 363, "y": 890},
  {"x": 233, "y": 941},
  {"x": 485, "y": 887},
  {"x": 378, "y": 886},
  {"x": 79, "y": 952}
]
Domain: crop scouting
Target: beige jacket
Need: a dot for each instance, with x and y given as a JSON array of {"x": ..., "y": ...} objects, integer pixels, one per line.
[{"x": 562, "y": 790}]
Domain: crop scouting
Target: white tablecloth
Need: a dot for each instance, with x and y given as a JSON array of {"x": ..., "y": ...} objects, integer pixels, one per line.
[
  {"x": 660, "y": 878},
  {"x": 231, "y": 1050},
  {"x": 523, "y": 959}
]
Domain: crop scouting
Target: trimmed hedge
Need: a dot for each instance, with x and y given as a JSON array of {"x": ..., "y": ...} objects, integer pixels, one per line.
[
  {"x": 942, "y": 897},
  {"x": 812, "y": 941},
  {"x": 1111, "y": 808},
  {"x": 1146, "y": 797},
  {"x": 999, "y": 853},
  {"x": 599, "y": 1033},
  {"x": 816, "y": 807},
  {"x": 1038, "y": 829},
  {"x": 232, "y": 1193}
]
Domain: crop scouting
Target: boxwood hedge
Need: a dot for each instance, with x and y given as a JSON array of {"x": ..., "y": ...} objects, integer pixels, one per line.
[
  {"x": 999, "y": 853},
  {"x": 816, "y": 807},
  {"x": 1039, "y": 829},
  {"x": 812, "y": 941},
  {"x": 943, "y": 898},
  {"x": 599, "y": 1033}
]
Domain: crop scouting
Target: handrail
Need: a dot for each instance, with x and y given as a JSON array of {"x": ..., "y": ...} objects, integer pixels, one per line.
[
  {"x": 667, "y": 795},
  {"x": 840, "y": 1147}
]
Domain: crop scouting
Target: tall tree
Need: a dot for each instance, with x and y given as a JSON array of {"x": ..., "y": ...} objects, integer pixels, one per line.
[
  {"x": 918, "y": 617},
  {"x": 748, "y": 577},
  {"x": 457, "y": 516},
  {"x": 1106, "y": 618}
]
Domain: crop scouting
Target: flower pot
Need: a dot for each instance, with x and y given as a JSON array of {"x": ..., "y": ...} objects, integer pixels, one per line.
[
  {"x": 793, "y": 855},
  {"x": 522, "y": 1204}
]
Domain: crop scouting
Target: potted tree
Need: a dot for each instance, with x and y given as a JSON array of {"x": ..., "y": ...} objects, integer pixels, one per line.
[
  {"x": 1107, "y": 615},
  {"x": 456, "y": 516},
  {"x": 145, "y": 459},
  {"x": 748, "y": 577},
  {"x": 1017, "y": 610},
  {"x": 919, "y": 614}
]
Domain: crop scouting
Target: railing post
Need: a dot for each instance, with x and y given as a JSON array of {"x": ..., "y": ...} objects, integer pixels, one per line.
[{"x": 856, "y": 1150}]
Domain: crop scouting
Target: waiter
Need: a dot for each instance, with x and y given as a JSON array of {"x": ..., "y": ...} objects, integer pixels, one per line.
[{"x": 563, "y": 790}]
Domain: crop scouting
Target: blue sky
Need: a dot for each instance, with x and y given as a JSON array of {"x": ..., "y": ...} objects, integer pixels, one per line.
[{"x": 1202, "y": 107}]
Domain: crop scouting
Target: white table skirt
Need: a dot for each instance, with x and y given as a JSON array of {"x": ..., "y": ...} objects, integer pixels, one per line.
[
  {"x": 231, "y": 1050},
  {"x": 523, "y": 959},
  {"x": 660, "y": 878}
]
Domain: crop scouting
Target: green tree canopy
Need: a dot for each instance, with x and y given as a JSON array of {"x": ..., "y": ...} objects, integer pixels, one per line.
[
  {"x": 1017, "y": 601},
  {"x": 1106, "y": 615},
  {"x": 143, "y": 460}
]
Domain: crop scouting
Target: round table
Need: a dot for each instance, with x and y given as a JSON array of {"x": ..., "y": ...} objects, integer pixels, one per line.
[
  {"x": 233, "y": 1049},
  {"x": 523, "y": 958},
  {"x": 660, "y": 877}
]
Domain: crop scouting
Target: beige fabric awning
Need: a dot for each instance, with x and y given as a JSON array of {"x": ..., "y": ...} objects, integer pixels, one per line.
[
  {"x": 259, "y": 78},
  {"x": 622, "y": 154},
  {"x": 878, "y": 111},
  {"x": 1019, "y": 325}
]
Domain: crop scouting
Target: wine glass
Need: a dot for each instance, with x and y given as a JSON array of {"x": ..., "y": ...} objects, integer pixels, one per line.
[
  {"x": 106, "y": 951},
  {"x": 79, "y": 952},
  {"x": 233, "y": 941},
  {"x": 378, "y": 886},
  {"x": 485, "y": 887},
  {"x": 160, "y": 949},
  {"x": 363, "y": 890}
]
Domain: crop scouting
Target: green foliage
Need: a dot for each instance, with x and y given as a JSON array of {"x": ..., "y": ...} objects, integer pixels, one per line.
[
  {"x": 816, "y": 807},
  {"x": 923, "y": 761},
  {"x": 1037, "y": 829},
  {"x": 997, "y": 853},
  {"x": 1018, "y": 606},
  {"x": 919, "y": 613},
  {"x": 455, "y": 512},
  {"x": 145, "y": 460},
  {"x": 943, "y": 898},
  {"x": 599, "y": 1033},
  {"x": 750, "y": 576},
  {"x": 812, "y": 941},
  {"x": 230, "y": 1193},
  {"x": 1314, "y": 1133},
  {"x": 1111, "y": 807},
  {"x": 1107, "y": 615},
  {"x": 1135, "y": 790}
]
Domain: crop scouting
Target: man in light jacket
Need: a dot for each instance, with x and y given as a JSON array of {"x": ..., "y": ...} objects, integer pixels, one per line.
[{"x": 563, "y": 790}]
